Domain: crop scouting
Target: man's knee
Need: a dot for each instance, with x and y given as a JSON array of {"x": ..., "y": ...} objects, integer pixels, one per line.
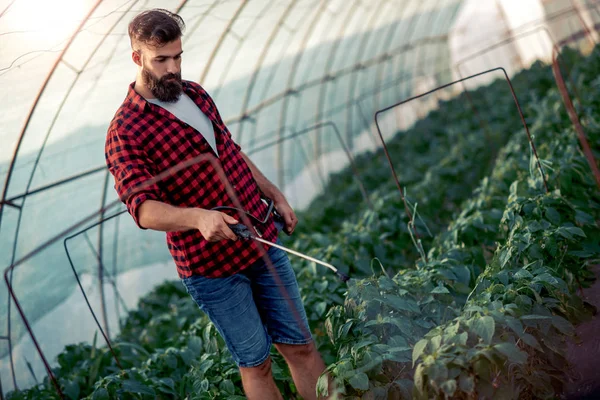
[
  {"x": 259, "y": 371},
  {"x": 297, "y": 352}
]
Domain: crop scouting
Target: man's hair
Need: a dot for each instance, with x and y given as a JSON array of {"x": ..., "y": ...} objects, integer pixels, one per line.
[{"x": 155, "y": 27}]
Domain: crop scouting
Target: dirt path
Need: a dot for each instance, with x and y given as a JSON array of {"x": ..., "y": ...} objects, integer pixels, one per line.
[{"x": 584, "y": 382}]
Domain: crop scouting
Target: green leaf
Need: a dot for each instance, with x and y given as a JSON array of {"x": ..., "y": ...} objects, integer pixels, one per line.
[
  {"x": 321, "y": 286},
  {"x": 547, "y": 278},
  {"x": 440, "y": 290},
  {"x": 360, "y": 345},
  {"x": 343, "y": 331},
  {"x": 534, "y": 317},
  {"x": 462, "y": 338},
  {"x": 553, "y": 216},
  {"x": 505, "y": 256},
  {"x": 435, "y": 341},
  {"x": 418, "y": 378},
  {"x": 100, "y": 394},
  {"x": 95, "y": 368},
  {"x": 206, "y": 364},
  {"x": 511, "y": 351},
  {"x": 562, "y": 325},
  {"x": 584, "y": 218},
  {"x": 187, "y": 356},
  {"x": 168, "y": 382},
  {"x": 466, "y": 383},
  {"x": 133, "y": 386},
  {"x": 531, "y": 341},
  {"x": 581, "y": 253},
  {"x": 171, "y": 361},
  {"x": 397, "y": 341},
  {"x": 515, "y": 325},
  {"x": 523, "y": 274},
  {"x": 437, "y": 372},
  {"x": 227, "y": 386},
  {"x": 449, "y": 387},
  {"x": 576, "y": 231},
  {"x": 194, "y": 343},
  {"x": 386, "y": 283},
  {"x": 564, "y": 232},
  {"x": 204, "y": 385},
  {"x": 484, "y": 327},
  {"x": 502, "y": 276},
  {"x": 535, "y": 226},
  {"x": 359, "y": 381},
  {"x": 323, "y": 386},
  {"x": 320, "y": 308},
  {"x": 406, "y": 387},
  {"x": 71, "y": 389},
  {"x": 399, "y": 303},
  {"x": 418, "y": 350}
]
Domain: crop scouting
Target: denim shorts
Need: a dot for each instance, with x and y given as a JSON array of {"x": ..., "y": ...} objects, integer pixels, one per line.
[{"x": 254, "y": 308}]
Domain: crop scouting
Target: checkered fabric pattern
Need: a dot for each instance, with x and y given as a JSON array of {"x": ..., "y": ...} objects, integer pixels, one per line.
[{"x": 144, "y": 140}]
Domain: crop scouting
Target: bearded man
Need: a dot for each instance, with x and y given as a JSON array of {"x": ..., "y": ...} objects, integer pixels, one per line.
[{"x": 163, "y": 121}]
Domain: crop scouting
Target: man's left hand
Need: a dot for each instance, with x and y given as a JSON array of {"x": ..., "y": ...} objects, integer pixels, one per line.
[{"x": 288, "y": 214}]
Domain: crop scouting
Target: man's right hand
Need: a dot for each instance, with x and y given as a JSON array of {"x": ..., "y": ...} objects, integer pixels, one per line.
[{"x": 213, "y": 225}]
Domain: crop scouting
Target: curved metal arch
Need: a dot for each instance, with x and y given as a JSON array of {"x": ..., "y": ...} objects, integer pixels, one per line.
[
  {"x": 423, "y": 54},
  {"x": 104, "y": 199},
  {"x": 36, "y": 162},
  {"x": 342, "y": 72},
  {"x": 260, "y": 61},
  {"x": 586, "y": 28},
  {"x": 359, "y": 54},
  {"x": 394, "y": 62},
  {"x": 36, "y": 101},
  {"x": 11, "y": 169},
  {"x": 329, "y": 63},
  {"x": 221, "y": 39},
  {"x": 370, "y": 41},
  {"x": 389, "y": 37},
  {"x": 197, "y": 24},
  {"x": 234, "y": 52},
  {"x": 279, "y": 152},
  {"x": 316, "y": 139},
  {"x": 294, "y": 31},
  {"x": 332, "y": 55},
  {"x": 82, "y": 222},
  {"x": 413, "y": 43},
  {"x": 56, "y": 115}
]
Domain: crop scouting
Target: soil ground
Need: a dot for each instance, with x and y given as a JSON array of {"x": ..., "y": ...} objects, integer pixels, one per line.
[{"x": 584, "y": 356}]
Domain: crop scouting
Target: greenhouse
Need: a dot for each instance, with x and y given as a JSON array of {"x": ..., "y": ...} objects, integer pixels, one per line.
[{"x": 441, "y": 158}]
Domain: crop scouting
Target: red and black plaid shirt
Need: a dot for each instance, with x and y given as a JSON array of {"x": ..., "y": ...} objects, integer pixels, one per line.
[{"x": 144, "y": 140}]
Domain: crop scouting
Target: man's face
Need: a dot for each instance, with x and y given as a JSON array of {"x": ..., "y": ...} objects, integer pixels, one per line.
[{"x": 161, "y": 70}]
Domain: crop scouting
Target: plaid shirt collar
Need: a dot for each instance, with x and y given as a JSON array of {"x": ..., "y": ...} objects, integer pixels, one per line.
[{"x": 138, "y": 103}]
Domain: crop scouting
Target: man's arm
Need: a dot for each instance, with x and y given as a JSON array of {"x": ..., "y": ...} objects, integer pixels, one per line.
[
  {"x": 164, "y": 217},
  {"x": 128, "y": 163},
  {"x": 272, "y": 192}
]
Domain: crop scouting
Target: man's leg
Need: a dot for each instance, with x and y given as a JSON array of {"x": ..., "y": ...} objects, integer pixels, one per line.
[
  {"x": 278, "y": 300},
  {"x": 229, "y": 304},
  {"x": 306, "y": 365},
  {"x": 258, "y": 382}
]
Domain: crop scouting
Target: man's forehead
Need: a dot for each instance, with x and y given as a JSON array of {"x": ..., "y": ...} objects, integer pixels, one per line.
[{"x": 169, "y": 49}]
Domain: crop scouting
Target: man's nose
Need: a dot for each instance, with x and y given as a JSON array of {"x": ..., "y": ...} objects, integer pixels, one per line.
[{"x": 172, "y": 67}]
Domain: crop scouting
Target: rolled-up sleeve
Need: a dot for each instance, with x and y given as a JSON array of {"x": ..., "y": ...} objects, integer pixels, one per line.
[{"x": 131, "y": 168}]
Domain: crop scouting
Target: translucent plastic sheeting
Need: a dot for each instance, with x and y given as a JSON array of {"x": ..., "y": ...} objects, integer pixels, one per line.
[{"x": 274, "y": 68}]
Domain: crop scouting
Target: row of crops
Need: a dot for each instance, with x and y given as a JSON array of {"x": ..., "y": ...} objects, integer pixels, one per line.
[{"x": 480, "y": 304}]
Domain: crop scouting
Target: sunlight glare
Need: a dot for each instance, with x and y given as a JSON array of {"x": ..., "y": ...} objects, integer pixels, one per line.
[{"x": 50, "y": 19}]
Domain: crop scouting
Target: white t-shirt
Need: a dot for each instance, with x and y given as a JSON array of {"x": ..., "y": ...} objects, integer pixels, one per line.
[{"x": 187, "y": 111}]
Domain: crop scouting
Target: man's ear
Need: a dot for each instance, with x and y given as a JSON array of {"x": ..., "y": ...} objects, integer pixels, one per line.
[{"x": 136, "y": 57}]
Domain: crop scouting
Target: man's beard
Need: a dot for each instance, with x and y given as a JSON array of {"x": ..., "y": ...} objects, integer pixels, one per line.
[{"x": 164, "y": 89}]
